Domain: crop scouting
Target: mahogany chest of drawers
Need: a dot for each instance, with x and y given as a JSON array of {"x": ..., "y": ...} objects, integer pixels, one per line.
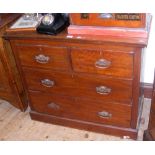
[{"x": 86, "y": 83}]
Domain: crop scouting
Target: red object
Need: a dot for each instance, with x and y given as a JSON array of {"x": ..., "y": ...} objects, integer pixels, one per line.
[{"x": 107, "y": 31}]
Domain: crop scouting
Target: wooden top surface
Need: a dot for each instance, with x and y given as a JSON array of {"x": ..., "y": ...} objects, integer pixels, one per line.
[{"x": 64, "y": 36}]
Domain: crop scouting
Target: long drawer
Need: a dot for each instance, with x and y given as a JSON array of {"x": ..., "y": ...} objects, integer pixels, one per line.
[
  {"x": 111, "y": 63},
  {"x": 85, "y": 110},
  {"x": 43, "y": 56},
  {"x": 86, "y": 86},
  {"x": 104, "y": 88}
]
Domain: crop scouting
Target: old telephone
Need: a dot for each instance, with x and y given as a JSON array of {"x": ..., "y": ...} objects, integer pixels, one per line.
[{"x": 53, "y": 23}]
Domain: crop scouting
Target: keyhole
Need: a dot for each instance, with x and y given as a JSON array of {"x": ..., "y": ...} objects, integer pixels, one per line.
[{"x": 40, "y": 49}]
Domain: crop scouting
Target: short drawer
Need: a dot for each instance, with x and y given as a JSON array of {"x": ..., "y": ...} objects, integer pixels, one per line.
[
  {"x": 83, "y": 110},
  {"x": 111, "y": 63},
  {"x": 43, "y": 56}
]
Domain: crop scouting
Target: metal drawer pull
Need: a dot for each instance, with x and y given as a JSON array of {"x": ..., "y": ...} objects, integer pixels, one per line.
[
  {"x": 53, "y": 106},
  {"x": 42, "y": 59},
  {"x": 102, "y": 63},
  {"x": 47, "y": 83},
  {"x": 105, "y": 15},
  {"x": 104, "y": 114},
  {"x": 103, "y": 90}
]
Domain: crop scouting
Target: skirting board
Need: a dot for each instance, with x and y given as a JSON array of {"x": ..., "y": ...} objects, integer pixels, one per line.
[
  {"x": 147, "y": 89},
  {"x": 83, "y": 125},
  {"x": 147, "y": 136}
]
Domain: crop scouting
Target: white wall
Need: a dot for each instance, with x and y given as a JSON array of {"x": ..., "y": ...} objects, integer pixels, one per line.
[{"x": 149, "y": 58}]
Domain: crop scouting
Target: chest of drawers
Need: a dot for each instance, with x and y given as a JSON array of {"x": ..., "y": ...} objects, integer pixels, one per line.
[{"x": 86, "y": 83}]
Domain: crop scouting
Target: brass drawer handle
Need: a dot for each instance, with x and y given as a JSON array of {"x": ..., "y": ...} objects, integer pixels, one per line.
[
  {"x": 102, "y": 63},
  {"x": 103, "y": 90},
  {"x": 104, "y": 114},
  {"x": 54, "y": 106},
  {"x": 47, "y": 83},
  {"x": 42, "y": 59}
]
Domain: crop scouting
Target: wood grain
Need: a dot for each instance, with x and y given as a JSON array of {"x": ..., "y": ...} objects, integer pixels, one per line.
[
  {"x": 58, "y": 56},
  {"x": 84, "y": 61},
  {"x": 79, "y": 85},
  {"x": 80, "y": 109},
  {"x": 4, "y": 84},
  {"x": 9, "y": 89},
  {"x": 106, "y": 129}
]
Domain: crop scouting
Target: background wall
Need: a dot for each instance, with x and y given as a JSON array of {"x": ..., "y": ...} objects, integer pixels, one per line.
[{"x": 149, "y": 58}]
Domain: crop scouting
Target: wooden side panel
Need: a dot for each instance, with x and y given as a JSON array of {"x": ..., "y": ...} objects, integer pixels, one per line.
[
  {"x": 4, "y": 84},
  {"x": 9, "y": 89},
  {"x": 136, "y": 88},
  {"x": 18, "y": 97}
]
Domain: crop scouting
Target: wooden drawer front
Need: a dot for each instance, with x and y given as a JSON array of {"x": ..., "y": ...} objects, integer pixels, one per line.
[
  {"x": 93, "y": 87},
  {"x": 85, "y": 110},
  {"x": 110, "y": 63},
  {"x": 44, "y": 56},
  {"x": 104, "y": 88},
  {"x": 48, "y": 80}
]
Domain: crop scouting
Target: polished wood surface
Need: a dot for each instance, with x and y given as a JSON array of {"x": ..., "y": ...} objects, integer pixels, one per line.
[
  {"x": 94, "y": 19},
  {"x": 57, "y": 57},
  {"x": 79, "y": 85},
  {"x": 106, "y": 31},
  {"x": 100, "y": 75},
  {"x": 74, "y": 39},
  {"x": 4, "y": 83},
  {"x": 11, "y": 88},
  {"x": 80, "y": 109},
  {"x": 84, "y": 60}
]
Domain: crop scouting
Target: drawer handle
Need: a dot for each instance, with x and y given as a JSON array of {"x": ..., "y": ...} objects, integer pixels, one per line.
[
  {"x": 47, "y": 83},
  {"x": 102, "y": 63},
  {"x": 103, "y": 90},
  {"x": 54, "y": 106},
  {"x": 105, "y": 15},
  {"x": 42, "y": 59},
  {"x": 104, "y": 114}
]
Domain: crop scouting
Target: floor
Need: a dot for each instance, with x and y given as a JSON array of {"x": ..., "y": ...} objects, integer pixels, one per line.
[{"x": 16, "y": 125}]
